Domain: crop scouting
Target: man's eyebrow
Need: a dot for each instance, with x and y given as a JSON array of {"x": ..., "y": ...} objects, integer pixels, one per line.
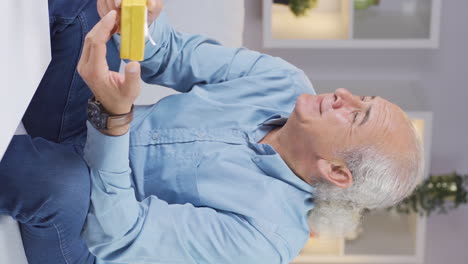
[{"x": 366, "y": 117}]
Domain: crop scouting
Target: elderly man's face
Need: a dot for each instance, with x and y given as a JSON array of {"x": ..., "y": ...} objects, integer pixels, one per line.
[{"x": 329, "y": 123}]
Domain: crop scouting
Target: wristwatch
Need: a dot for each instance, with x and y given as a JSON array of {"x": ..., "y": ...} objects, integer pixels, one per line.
[{"x": 103, "y": 120}]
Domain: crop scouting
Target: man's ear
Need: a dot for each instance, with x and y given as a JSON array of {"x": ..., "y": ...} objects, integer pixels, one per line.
[{"x": 335, "y": 172}]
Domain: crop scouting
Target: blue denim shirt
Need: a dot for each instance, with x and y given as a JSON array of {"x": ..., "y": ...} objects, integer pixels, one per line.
[{"x": 190, "y": 183}]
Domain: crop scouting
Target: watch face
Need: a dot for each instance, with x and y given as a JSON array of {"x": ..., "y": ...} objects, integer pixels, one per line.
[{"x": 95, "y": 116}]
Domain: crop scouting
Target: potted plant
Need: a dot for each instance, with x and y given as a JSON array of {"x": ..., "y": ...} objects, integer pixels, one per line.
[
  {"x": 365, "y": 4},
  {"x": 439, "y": 194},
  {"x": 298, "y": 7}
]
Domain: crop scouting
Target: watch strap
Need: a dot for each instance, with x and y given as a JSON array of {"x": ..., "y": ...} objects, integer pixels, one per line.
[
  {"x": 114, "y": 121},
  {"x": 101, "y": 119}
]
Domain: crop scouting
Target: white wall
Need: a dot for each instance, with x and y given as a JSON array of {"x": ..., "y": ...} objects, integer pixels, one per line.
[{"x": 443, "y": 74}]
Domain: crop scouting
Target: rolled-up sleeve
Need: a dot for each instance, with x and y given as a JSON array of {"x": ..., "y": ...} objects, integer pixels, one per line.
[{"x": 120, "y": 229}]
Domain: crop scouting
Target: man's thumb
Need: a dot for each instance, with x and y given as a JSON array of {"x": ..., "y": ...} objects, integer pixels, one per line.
[{"x": 132, "y": 80}]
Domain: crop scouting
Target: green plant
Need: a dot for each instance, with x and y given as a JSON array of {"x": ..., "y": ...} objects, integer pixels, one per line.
[
  {"x": 439, "y": 194},
  {"x": 300, "y": 7},
  {"x": 365, "y": 4}
]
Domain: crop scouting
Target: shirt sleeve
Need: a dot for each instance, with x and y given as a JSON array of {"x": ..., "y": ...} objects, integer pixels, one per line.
[
  {"x": 181, "y": 61},
  {"x": 122, "y": 230}
]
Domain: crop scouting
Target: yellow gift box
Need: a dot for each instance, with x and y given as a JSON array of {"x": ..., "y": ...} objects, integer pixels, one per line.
[{"x": 132, "y": 29}]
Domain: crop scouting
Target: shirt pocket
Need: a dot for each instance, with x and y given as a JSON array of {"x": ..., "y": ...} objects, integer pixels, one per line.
[{"x": 170, "y": 173}]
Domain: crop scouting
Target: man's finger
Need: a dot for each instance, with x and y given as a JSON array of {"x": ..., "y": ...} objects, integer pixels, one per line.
[
  {"x": 102, "y": 31},
  {"x": 97, "y": 62},
  {"x": 118, "y": 3},
  {"x": 85, "y": 53},
  {"x": 151, "y": 4},
  {"x": 110, "y": 4},
  {"x": 132, "y": 81},
  {"x": 95, "y": 45},
  {"x": 154, "y": 9},
  {"x": 95, "y": 39},
  {"x": 100, "y": 9}
]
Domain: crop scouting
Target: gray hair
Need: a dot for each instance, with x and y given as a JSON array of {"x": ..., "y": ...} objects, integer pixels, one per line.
[{"x": 379, "y": 181}]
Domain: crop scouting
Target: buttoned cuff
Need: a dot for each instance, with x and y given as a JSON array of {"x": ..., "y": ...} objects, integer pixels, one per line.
[{"x": 106, "y": 153}]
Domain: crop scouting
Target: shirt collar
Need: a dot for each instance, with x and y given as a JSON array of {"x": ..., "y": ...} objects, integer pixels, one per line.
[
  {"x": 268, "y": 160},
  {"x": 276, "y": 120},
  {"x": 267, "y": 125},
  {"x": 272, "y": 164}
]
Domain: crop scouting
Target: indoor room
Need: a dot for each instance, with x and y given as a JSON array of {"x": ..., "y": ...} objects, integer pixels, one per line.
[{"x": 234, "y": 131}]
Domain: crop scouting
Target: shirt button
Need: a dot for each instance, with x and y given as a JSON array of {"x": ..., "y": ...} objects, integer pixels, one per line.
[
  {"x": 201, "y": 135},
  {"x": 256, "y": 159},
  {"x": 155, "y": 136}
]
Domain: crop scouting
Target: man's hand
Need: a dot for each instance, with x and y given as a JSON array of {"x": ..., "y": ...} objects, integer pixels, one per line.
[
  {"x": 115, "y": 91},
  {"x": 105, "y": 6}
]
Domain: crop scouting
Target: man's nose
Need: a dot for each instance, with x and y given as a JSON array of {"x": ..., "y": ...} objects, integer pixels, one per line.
[{"x": 346, "y": 99}]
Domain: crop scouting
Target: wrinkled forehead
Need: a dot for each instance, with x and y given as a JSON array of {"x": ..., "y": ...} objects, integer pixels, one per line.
[{"x": 394, "y": 130}]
